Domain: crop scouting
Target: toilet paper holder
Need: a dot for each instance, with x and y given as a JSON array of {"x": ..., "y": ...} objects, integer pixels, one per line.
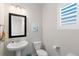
[
  {"x": 56, "y": 47},
  {"x": 57, "y": 50}
]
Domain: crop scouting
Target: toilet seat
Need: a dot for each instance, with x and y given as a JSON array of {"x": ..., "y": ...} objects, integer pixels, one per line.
[{"x": 41, "y": 52}]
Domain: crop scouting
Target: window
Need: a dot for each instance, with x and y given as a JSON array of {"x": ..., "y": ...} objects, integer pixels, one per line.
[{"x": 68, "y": 14}]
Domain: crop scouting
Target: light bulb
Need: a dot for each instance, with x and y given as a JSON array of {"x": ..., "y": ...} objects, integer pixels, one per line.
[
  {"x": 18, "y": 9},
  {"x": 12, "y": 8},
  {"x": 23, "y": 11}
]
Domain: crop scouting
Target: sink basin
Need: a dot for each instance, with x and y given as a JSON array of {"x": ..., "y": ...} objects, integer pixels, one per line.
[{"x": 17, "y": 46}]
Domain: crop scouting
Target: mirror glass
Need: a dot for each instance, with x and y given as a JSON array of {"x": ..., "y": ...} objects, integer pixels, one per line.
[{"x": 17, "y": 25}]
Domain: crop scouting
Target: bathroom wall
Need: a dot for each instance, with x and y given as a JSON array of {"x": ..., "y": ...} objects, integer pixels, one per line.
[
  {"x": 67, "y": 39},
  {"x": 1, "y": 23},
  {"x": 34, "y": 15},
  {"x": 1, "y": 14}
]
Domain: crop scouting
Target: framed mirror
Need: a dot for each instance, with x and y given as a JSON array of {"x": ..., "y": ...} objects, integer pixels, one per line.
[{"x": 17, "y": 25}]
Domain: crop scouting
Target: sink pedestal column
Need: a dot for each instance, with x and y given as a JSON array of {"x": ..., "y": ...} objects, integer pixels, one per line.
[{"x": 18, "y": 53}]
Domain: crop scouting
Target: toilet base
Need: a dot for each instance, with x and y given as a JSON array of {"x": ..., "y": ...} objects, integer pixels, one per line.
[{"x": 41, "y": 52}]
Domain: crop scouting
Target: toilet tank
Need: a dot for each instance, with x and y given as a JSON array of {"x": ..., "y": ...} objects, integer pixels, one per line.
[{"x": 37, "y": 44}]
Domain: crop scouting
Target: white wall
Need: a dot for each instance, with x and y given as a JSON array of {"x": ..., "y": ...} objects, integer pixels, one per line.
[
  {"x": 1, "y": 23},
  {"x": 33, "y": 13},
  {"x": 67, "y": 39},
  {"x": 1, "y": 14}
]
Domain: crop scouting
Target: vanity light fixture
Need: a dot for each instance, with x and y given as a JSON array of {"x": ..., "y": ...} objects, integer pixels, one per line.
[{"x": 17, "y": 9}]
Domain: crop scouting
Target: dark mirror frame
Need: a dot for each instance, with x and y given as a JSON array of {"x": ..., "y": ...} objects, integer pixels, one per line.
[{"x": 10, "y": 30}]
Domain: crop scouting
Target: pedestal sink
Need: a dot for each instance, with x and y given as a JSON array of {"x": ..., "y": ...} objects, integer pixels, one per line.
[{"x": 17, "y": 47}]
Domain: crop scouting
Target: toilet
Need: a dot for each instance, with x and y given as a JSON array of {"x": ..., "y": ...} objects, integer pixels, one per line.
[
  {"x": 39, "y": 50},
  {"x": 71, "y": 54}
]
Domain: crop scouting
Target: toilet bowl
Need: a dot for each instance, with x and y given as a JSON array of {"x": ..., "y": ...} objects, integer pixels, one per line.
[
  {"x": 41, "y": 52},
  {"x": 38, "y": 49}
]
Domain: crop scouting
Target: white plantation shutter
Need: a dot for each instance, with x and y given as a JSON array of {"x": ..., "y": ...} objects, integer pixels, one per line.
[{"x": 68, "y": 14}]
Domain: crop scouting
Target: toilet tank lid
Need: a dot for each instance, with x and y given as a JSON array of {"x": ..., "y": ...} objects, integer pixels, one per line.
[{"x": 37, "y": 42}]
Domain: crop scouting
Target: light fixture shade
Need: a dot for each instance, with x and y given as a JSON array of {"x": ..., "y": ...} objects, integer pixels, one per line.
[
  {"x": 12, "y": 9},
  {"x": 17, "y": 10}
]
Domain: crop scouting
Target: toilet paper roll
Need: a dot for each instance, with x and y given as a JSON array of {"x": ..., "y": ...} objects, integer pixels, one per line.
[
  {"x": 57, "y": 50},
  {"x": 56, "y": 47}
]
